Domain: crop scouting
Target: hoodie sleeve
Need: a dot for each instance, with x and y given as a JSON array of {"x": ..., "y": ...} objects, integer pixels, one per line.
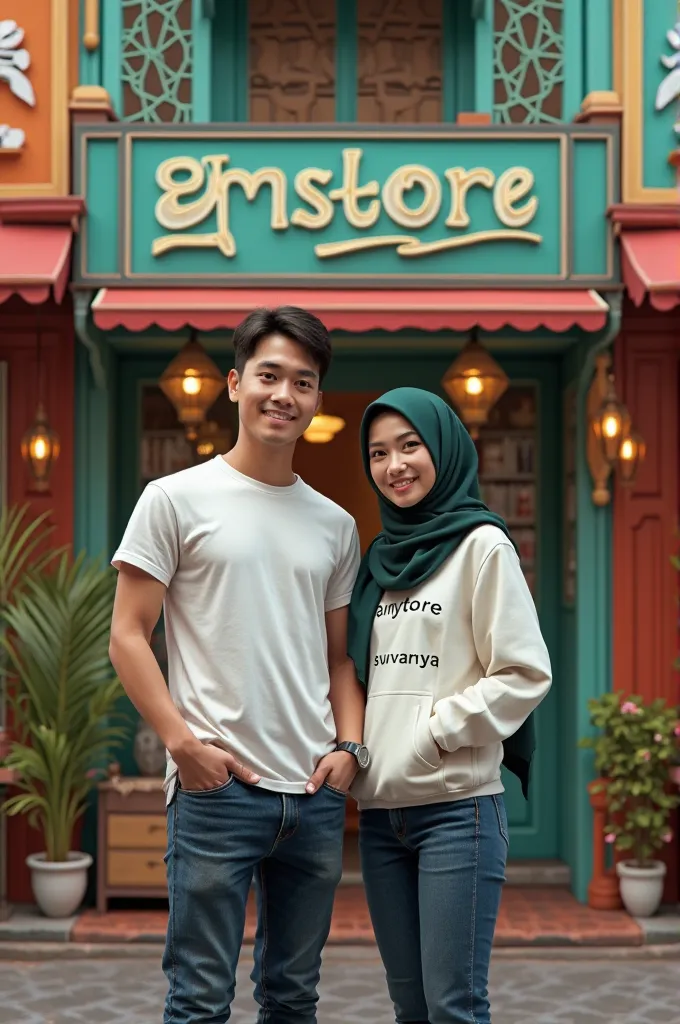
[{"x": 512, "y": 652}]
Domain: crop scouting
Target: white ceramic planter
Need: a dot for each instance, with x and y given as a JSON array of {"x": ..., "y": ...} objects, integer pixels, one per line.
[
  {"x": 59, "y": 886},
  {"x": 641, "y": 887}
]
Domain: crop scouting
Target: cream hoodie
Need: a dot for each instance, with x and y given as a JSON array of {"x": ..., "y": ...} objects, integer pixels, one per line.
[{"x": 457, "y": 664}]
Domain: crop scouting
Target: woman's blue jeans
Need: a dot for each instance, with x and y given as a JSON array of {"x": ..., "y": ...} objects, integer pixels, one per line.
[{"x": 433, "y": 878}]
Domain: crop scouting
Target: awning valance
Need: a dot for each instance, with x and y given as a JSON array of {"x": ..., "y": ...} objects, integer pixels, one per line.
[
  {"x": 210, "y": 309},
  {"x": 34, "y": 260},
  {"x": 651, "y": 266}
]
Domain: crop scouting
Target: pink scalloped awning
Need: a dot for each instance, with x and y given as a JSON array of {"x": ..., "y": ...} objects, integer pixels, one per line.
[
  {"x": 34, "y": 260},
  {"x": 651, "y": 266},
  {"x": 210, "y": 309}
]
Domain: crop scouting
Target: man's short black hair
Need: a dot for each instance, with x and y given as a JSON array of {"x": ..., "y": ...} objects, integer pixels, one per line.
[{"x": 305, "y": 329}]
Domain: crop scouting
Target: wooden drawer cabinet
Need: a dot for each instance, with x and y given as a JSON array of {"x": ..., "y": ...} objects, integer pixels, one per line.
[{"x": 132, "y": 840}]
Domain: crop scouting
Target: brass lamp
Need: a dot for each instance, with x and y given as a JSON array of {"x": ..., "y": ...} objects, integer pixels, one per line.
[
  {"x": 192, "y": 382},
  {"x": 474, "y": 382},
  {"x": 40, "y": 450},
  {"x": 612, "y": 423},
  {"x": 323, "y": 428},
  {"x": 211, "y": 439},
  {"x": 631, "y": 455}
]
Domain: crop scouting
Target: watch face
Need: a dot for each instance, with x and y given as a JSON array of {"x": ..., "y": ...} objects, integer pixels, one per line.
[{"x": 363, "y": 757}]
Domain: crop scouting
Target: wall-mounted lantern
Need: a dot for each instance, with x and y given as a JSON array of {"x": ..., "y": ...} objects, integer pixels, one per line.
[
  {"x": 40, "y": 450},
  {"x": 323, "y": 428},
  {"x": 612, "y": 443}
]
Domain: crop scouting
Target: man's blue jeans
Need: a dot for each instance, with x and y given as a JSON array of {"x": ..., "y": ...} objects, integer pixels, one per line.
[
  {"x": 217, "y": 841},
  {"x": 433, "y": 878}
]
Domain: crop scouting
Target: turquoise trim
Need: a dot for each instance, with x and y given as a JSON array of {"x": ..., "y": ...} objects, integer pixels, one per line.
[
  {"x": 111, "y": 47},
  {"x": 93, "y": 457},
  {"x": 659, "y": 139},
  {"x": 458, "y": 60},
  {"x": 483, "y": 60},
  {"x": 572, "y": 31},
  {"x": 597, "y": 36},
  {"x": 346, "y": 61},
  {"x": 229, "y": 60},
  {"x": 201, "y": 65}
]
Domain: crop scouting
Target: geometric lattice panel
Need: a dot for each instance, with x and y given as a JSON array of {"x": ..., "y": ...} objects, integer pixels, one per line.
[
  {"x": 157, "y": 57},
  {"x": 529, "y": 61}
]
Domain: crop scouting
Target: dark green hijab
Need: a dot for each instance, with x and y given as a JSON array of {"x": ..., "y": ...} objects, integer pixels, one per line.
[{"x": 416, "y": 541}]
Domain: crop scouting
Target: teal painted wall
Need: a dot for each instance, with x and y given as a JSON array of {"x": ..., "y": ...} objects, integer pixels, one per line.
[{"x": 659, "y": 137}]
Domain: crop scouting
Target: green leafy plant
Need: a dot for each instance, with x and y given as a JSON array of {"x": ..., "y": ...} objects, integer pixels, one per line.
[
  {"x": 62, "y": 691},
  {"x": 633, "y": 753}
]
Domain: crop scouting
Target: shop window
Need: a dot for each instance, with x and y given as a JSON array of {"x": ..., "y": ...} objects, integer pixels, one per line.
[
  {"x": 399, "y": 61},
  {"x": 156, "y": 60},
  {"x": 508, "y": 469},
  {"x": 292, "y": 61},
  {"x": 528, "y": 61}
]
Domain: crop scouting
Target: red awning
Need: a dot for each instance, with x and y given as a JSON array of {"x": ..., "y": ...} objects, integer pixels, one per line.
[
  {"x": 34, "y": 259},
  {"x": 651, "y": 266},
  {"x": 209, "y": 309}
]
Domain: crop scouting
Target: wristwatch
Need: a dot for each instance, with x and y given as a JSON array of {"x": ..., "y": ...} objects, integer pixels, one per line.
[{"x": 359, "y": 751}]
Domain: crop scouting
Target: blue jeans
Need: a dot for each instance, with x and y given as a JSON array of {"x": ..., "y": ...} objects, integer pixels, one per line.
[
  {"x": 433, "y": 878},
  {"x": 217, "y": 841}
]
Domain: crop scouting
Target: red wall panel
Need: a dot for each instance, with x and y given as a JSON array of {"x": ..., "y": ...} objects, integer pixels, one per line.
[
  {"x": 18, "y": 348},
  {"x": 645, "y": 585}
]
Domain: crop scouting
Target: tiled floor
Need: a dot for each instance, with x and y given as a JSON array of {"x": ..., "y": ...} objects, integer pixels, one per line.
[
  {"x": 352, "y": 991},
  {"x": 529, "y": 916}
]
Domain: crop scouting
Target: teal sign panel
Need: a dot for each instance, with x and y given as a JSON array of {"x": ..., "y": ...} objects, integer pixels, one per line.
[{"x": 216, "y": 206}]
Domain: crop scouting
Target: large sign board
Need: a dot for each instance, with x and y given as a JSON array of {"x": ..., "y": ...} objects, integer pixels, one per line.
[{"x": 246, "y": 205}]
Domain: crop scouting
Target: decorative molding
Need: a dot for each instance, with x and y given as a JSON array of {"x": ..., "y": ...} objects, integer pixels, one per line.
[
  {"x": 43, "y": 210},
  {"x": 600, "y": 469},
  {"x": 91, "y": 99},
  {"x": 644, "y": 215},
  {"x": 91, "y": 37},
  {"x": 600, "y": 108}
]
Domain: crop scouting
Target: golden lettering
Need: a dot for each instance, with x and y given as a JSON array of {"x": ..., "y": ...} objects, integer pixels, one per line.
[
  {"x": 176, "y": 216},
  {"x": 193, "y": 190},
  {"x": 318, "y": 200},
  {"x": 351, "y": 192},
  {"x": 461, "y": 181},
  {"x": 513, "y": 185},
  {"x": 404, "y": 179}
]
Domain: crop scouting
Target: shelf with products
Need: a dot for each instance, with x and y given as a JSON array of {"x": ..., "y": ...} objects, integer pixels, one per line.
[{"x": 508, "y": 470}]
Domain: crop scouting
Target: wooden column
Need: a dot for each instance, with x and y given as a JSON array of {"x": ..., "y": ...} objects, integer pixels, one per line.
[{"x": 645, "y": 585}]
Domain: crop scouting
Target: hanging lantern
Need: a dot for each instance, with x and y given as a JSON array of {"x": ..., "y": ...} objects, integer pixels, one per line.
[
  {"x": 474, "y": 382},
  {"x": 323, "y": 428},
  {"x": 212, "y": 439},
  {"x": 631, "y": 455},
  {"x": 40, "y": 450},
  {"x": 611, "y": 424},
  {"x": 192, "y": 382}
]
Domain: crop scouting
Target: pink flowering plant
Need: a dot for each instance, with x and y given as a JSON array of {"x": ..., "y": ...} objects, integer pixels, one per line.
[{"x": 636, "y": 745}]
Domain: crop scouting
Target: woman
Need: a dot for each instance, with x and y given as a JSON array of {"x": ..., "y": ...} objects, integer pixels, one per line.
[{"x": 444, "y": 634}]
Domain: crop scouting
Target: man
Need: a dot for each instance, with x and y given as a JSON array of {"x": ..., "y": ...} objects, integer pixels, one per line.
[{"x": 255, "y": 572}]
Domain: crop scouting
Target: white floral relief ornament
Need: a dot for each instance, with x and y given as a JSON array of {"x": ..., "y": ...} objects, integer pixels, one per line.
[
  {"x": 13, "y": 63},
  {"x": 669, "y": 88}
]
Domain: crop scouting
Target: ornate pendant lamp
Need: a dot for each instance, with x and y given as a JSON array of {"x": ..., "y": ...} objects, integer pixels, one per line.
[
  {"x": 474, "y": 382},
  {"x": 212, "y": 439},
  {"x": 323, "y": 428},
  {"x": 40, "y": 444},
  {"x": 192, "y": 382}
]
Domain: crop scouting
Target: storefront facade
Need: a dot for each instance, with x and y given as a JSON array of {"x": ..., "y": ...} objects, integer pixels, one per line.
[
  {"x": 407, "y": 209},
  {"x": 38, "y": 217}
]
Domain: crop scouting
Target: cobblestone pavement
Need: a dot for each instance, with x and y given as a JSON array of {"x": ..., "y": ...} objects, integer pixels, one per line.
[{"x": 546, "y": 991}]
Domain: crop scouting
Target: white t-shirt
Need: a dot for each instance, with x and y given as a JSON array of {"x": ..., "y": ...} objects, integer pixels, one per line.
[{"x": 251, "y": 571}]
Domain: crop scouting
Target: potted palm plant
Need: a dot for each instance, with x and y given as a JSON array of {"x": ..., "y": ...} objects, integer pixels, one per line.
[
  {"x": 633, "y": 752},
  {"x": 62, "y": 690}
]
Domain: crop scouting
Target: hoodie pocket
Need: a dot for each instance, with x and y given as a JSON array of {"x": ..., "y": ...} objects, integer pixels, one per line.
[{"x": 405, "y": 762}]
